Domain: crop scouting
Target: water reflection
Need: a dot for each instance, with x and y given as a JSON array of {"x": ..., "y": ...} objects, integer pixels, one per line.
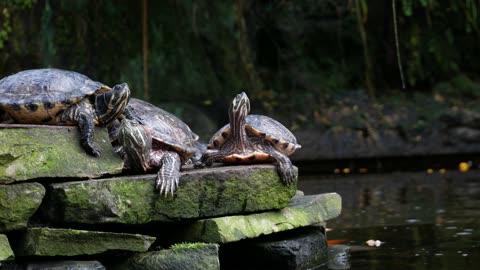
[{"x": 424, "y": 221}]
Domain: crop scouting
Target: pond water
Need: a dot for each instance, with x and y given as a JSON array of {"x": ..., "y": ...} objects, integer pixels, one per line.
[{"x": 421, "y": 220}]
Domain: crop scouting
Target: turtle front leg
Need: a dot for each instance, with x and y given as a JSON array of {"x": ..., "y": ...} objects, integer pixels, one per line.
[
  {"x": 87, "y": 127},
  {"x": 284, "y": 165},
  {"x": 82, "y": 113},
  {"x": 169, "y": 174}
]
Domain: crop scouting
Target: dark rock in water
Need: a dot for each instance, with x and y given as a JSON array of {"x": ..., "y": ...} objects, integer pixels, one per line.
[
  {"x": 57, "y": 265},
  {"x": 133, "y": 200},
  {"x": 304, "y": 248},
  {"x": 30, "y": 151},
  {"x": 69, "y": 242},
  {"x": 338, "y": 257},
  {"x": 18, "y": 203},
  {"x": 191, "y": 256}
]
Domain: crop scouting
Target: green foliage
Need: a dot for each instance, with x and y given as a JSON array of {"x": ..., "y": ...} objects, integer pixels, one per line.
[
  {"x": 407, "y": 6},
  {"x": 6, "y": 28},
  {"x": 292, "y": 57}
]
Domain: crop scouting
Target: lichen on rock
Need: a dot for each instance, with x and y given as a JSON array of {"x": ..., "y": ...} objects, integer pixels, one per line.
[
  {"x": 302, "y": 211},
  {"x": 70, "y": 242},
  {"x": 18, "y": 203},
  {"x": 201, "y": 193},
  {"x": 6, "y": 253},
  {"x": 32, "y": 151}
]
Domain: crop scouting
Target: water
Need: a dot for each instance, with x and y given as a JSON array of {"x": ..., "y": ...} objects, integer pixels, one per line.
[{"x": 421, "y": 221}]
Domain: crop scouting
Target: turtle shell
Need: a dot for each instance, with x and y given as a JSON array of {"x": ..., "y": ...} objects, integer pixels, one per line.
[
  {"x": 167, "y": 130},
  {"x": 38, "y": 96},
  {"x": 261, "y": 126}
]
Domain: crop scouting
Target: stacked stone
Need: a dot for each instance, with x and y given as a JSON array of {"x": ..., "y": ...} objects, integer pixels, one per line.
[{"x": 63, "y": 209}]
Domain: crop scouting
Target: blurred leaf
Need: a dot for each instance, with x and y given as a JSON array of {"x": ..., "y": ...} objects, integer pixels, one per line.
[{"x": 407, "y": 6}]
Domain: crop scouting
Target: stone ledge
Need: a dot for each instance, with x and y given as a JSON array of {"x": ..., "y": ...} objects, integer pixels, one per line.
[
  {"x": 133, "y": 200},
  {"x": 198, "y": 257},
  {"x": 302, "y": 211},
  {"x": 69, "y": 242},
  {"x": 31, "y": 151}
]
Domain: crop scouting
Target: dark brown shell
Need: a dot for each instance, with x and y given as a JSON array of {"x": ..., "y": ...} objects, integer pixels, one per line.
[
  {"x": 31, "y": 96},
  {"x": 167, "y": 129}
]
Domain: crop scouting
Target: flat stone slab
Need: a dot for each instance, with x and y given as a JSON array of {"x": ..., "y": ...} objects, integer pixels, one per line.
[
  {"x": 209, "y": 192},
  {"x": 32, "y": 151},
  {"x": 58, "y": 265},
  {"x": 18, "y": 203},
  {"x": 6, "y": 253},
  {"x": 69, "y": 242},
  {"x": 302, "y": 211},
  {"x": 196, "y": 256}
]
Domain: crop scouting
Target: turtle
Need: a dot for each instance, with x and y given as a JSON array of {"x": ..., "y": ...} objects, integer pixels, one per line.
[
  {"x": 61, "y": 97},
  {"x": 250, "y": 139},
  {"x": 161, "y": 142}
]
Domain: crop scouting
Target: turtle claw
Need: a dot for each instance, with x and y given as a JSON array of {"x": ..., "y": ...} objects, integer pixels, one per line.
[
  {"x": 91, "y": 149},
  {"x": 167, "y": 186},
  {"x": 169, "y": 174},
  {"x": 287, "y": 173}
]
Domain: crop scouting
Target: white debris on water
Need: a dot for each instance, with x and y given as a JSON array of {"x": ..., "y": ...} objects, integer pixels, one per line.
[{"x": 374, "y": 243}]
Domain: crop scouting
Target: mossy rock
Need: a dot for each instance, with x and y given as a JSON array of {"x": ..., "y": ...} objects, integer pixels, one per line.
[
  {"x": 218, "y": 191},
  {"x": 31, "y": 151},
  {"x": 6, "y": 253},
  {"x": 18, "y": 203},
  {"x": 69, "y": 242},
  {"x": 301, "y": 212},
  {"x": 199, "y": 256}
]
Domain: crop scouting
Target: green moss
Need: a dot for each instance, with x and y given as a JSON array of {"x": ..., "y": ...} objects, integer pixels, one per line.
[
  {"x": 183, "y": 246},
  {"x": 18, "y": 203},
  {"x": 181, "y": 256},
  {"x": 68, "y": 242},
  {"x": 6, "y": 252},
  {"x": 43, "y": 152},
  {"x": 302, "y": 211},
  {"x": 201, "y": 193}
]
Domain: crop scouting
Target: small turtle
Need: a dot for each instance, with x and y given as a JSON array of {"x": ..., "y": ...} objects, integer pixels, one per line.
[
  {"x": 252, "y": 139},
  {"x": 162, "y": 142},
  {"x": 60, "y": 97}
]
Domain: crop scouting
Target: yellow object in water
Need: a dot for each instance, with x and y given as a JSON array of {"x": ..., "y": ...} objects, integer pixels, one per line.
[
  {"x": 442, "y": 171},
  {"x": 429, "y": 171},
  {"x": 463, "y": 166},
  {"x": 363, "y": 170}
]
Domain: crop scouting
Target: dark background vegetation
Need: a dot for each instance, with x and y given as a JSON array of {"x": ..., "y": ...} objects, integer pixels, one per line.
[{"x": 296, "y": 59}]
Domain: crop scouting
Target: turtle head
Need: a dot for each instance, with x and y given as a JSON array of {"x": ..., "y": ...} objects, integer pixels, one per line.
[
  {"x": 239, "y": 108},
  {"x": 111, "y": 104},
  {"x": 136, "y": 141}
]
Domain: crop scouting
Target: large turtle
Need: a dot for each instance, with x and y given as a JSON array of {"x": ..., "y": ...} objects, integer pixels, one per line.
[
  {"x": 162, "y": 143},
  {"x": 61, "y": 97},
  {"x": 252, "y": 139}
]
